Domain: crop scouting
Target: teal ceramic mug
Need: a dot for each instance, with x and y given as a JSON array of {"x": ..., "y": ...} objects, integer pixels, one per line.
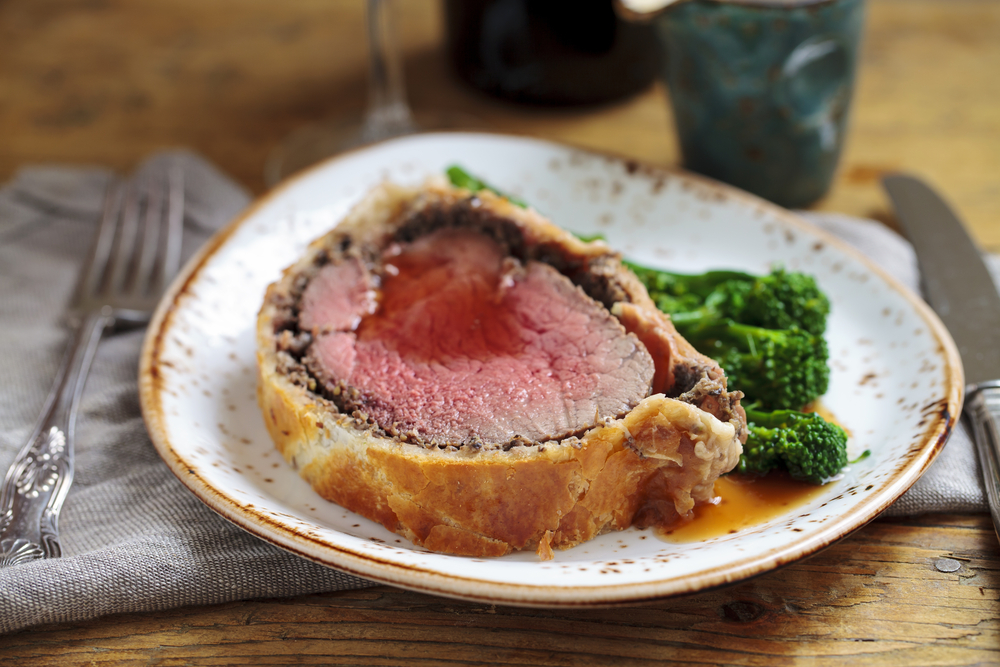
[{"x": 761, "y": 90}]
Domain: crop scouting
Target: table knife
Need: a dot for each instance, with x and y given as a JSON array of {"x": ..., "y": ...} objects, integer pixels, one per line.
[{"x": 958, "y": 286}]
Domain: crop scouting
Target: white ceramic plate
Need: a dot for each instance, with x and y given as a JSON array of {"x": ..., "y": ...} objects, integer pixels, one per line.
[{"x": 896, "y": 378}]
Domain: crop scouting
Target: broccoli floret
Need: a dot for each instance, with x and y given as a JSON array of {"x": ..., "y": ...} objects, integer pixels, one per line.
[
  {"x": 460, "y": 178},
  {"x": 779, "y": 300},
  {"x": 806, "y": 445}
]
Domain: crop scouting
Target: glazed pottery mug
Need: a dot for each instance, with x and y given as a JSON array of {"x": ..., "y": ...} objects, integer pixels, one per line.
[{"x": 760, "y": 89}]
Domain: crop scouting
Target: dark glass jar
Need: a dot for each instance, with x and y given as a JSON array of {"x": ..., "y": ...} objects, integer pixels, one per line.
[{"x": 549, "y": 52}]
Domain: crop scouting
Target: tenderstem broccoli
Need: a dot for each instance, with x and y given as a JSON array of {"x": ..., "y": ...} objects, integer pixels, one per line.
[
  {"x": 779, "y": 300},
  {"x": 765, "y": 331},
  {"x": 767, "y": 334},
  {"x": 803, "y": 443}
]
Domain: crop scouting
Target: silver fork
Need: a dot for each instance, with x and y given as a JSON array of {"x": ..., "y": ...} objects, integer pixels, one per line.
[{"x": 135, "y": 253}]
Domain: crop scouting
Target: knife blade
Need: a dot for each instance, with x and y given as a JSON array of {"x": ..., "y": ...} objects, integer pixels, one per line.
[{"x": 959, "y": 287}]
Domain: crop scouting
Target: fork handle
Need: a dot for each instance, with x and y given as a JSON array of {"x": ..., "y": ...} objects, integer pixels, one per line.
[{"x": 37, "y": 482}]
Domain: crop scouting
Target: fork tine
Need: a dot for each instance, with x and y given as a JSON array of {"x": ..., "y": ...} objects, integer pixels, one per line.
[
  {"x": 138, "y": 245},
  {"x": 142, "y": 278},
  {"x": 100, "y": 251},
  {"x": 122, "y": 257},
  {"x": 175, "y": 225}
]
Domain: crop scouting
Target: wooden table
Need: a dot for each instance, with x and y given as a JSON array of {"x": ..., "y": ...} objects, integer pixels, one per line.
[{"x": 109, "y": 81}]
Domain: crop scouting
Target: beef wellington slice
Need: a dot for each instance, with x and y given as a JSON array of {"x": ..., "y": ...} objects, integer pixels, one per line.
[{"x": 480, "y": 381}]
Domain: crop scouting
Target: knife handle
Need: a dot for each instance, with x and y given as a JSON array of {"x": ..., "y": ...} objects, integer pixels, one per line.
[{"x": 982, "y": 406}]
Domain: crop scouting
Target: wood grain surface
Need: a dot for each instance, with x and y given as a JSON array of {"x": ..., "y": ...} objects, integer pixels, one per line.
[
  {"x": 876, "y": 598},
  {"x": 108, "y": 81}
]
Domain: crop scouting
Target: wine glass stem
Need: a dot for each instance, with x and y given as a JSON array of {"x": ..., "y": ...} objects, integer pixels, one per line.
[{"x": 388, "y": 113}]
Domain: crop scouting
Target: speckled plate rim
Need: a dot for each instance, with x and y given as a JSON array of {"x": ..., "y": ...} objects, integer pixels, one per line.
[{"x": 435, "y": 581}]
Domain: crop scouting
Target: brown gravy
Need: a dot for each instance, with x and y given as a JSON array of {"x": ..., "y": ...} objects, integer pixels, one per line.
[{"x": 747, "y": 500}]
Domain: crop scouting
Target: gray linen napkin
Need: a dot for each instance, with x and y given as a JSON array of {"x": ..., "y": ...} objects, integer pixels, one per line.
[{"x": 134, "y": 539}]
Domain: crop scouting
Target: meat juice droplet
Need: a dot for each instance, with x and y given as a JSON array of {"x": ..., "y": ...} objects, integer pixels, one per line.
[{"x": 746, "y": 501}]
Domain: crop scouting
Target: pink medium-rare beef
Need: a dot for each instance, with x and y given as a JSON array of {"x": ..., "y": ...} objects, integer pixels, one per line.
[{"x": 468, "y": 345}]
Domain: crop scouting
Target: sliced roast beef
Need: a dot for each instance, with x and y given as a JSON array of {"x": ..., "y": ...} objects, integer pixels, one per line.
[{"x": 468, "y": 345}]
